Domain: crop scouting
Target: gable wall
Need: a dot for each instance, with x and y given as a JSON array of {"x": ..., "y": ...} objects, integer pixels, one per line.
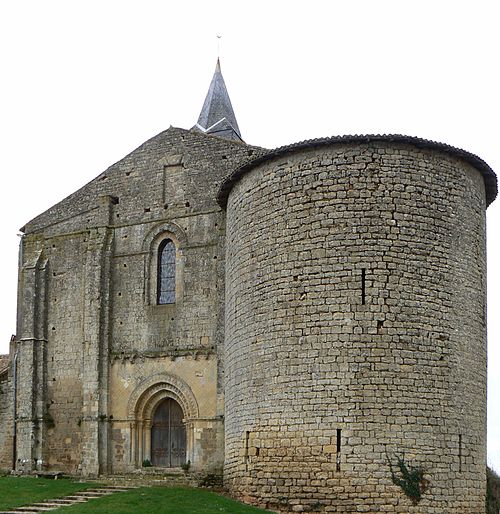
[{"x": 99, "y": 333}]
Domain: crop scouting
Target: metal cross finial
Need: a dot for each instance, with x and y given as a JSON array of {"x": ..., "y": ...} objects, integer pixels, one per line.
[{"x": 218, "y": 45}]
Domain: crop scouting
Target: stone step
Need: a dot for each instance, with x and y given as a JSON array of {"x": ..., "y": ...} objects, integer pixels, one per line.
[
  {"x": 172, "y": 477},
  {"x": 100, "y": 490},
  {"x": 51, "y": 506},
  {"x": 26, "y": 508},
  {"x": 76, "y": 497},
  {"x": 71, "y": 499},
  {"x": 62, "y": 501},
  {"x": 44, "y": 507},
  {"x": 97, "y": 493},
  {"x": 115, "y": 488}
]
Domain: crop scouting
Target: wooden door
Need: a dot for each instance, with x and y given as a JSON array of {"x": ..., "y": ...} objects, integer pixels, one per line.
[{"x": 168, "y": 435}]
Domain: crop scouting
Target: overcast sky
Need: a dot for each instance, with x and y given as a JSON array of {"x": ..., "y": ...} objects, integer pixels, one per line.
[{"x": 84, "y": 83}]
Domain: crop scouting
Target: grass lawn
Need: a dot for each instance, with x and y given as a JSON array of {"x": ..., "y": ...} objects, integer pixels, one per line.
[
  {"x": 17, "y": 491},
  {"x": 162, "y": 500}
]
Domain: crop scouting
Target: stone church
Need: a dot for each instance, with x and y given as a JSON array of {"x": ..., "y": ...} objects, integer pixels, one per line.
[{"x": 311, "y": 320}]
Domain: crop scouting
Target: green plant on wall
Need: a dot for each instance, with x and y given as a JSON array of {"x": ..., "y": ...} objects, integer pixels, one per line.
[
  {"x": 48, "y": 420},
  {"x": 410, "y": 479}
]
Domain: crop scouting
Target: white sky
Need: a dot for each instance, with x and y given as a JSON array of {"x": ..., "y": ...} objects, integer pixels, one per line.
[{"x": 82, "y": 83}]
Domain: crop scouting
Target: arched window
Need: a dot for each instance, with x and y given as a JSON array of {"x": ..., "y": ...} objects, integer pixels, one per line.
[{"x": 166, "y": 272}]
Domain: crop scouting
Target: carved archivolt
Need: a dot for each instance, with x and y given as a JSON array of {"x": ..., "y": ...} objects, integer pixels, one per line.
[
  {"x": 159, "y": 232},
  {"x": 150, "y": 246},
  {"x": 151, "y": 391}
]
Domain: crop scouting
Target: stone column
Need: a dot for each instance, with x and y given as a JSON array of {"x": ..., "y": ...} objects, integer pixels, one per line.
[
  {"x": 133, "y": 444},
  {"x": 147, "y": 440},
  {"x": 31, "y": 358},
  {"x": 190, "y": 441},
  {"x": 140, "y": 445},
  {"x": 96, "y": 343}
]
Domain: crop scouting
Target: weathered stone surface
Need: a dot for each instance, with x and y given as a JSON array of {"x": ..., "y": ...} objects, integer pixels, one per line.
[
  {"x": 355, "y": 309},
  {"x": 90, "y": 331},
  {"x": 333, "y": 319},
  {"x": 6, "y": 413}
]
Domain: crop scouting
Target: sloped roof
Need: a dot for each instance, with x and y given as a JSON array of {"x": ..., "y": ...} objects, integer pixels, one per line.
[
  {"x": 217, "y": 115},
  {"x": 490, "y": 179}
]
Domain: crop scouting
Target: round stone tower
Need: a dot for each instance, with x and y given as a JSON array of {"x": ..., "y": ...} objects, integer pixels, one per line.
[{"x": 355, "y": 345}]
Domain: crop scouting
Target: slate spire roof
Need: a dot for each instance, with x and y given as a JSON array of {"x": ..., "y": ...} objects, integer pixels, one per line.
[{"x": 217, "y": 115}]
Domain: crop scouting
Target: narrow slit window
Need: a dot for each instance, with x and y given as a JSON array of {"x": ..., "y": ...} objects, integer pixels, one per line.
[
  {"x": 460, "y": 453},
  {"x": 247, "y": 441},
  {"x": 363, "y": 286},
  {"x": 339, "y": 446},
  {"x": 166, "y": 272}
]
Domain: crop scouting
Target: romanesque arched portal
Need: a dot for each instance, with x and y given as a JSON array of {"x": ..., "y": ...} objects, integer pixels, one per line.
[
  {"x": 168, "y": 435},
  {"x": 161, "y": 411}
]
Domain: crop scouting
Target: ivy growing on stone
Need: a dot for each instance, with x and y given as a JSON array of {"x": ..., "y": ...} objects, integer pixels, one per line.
[
  {"x": 410, "y": 479},
  {"x": 48, "y": 420}
]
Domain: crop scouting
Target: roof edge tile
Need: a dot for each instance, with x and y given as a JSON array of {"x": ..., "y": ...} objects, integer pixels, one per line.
[{"x": 489, "y": 176}]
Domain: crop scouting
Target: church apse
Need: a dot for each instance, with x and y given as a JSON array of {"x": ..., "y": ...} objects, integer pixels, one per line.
[{"x": 302, "y": 318}]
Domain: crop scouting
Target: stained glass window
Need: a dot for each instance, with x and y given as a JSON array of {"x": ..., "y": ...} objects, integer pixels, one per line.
[{"x": 166, "y": 272}]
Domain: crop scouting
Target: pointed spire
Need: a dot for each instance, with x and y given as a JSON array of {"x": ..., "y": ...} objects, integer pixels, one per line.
[{"x": 217, "y": 115}]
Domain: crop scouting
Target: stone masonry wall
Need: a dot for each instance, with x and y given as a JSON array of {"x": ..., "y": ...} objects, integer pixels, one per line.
[
  {"x": 90, "y": 263},
  {"x": 6, "y": 414},
  {"x": 66, "y": 341},
  {"x": 355, "y": 330},
  {"x": 199, "y": 372}
]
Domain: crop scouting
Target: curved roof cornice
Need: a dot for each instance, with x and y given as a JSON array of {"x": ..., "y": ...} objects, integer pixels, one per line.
[{"x": 490, "y": 179}]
